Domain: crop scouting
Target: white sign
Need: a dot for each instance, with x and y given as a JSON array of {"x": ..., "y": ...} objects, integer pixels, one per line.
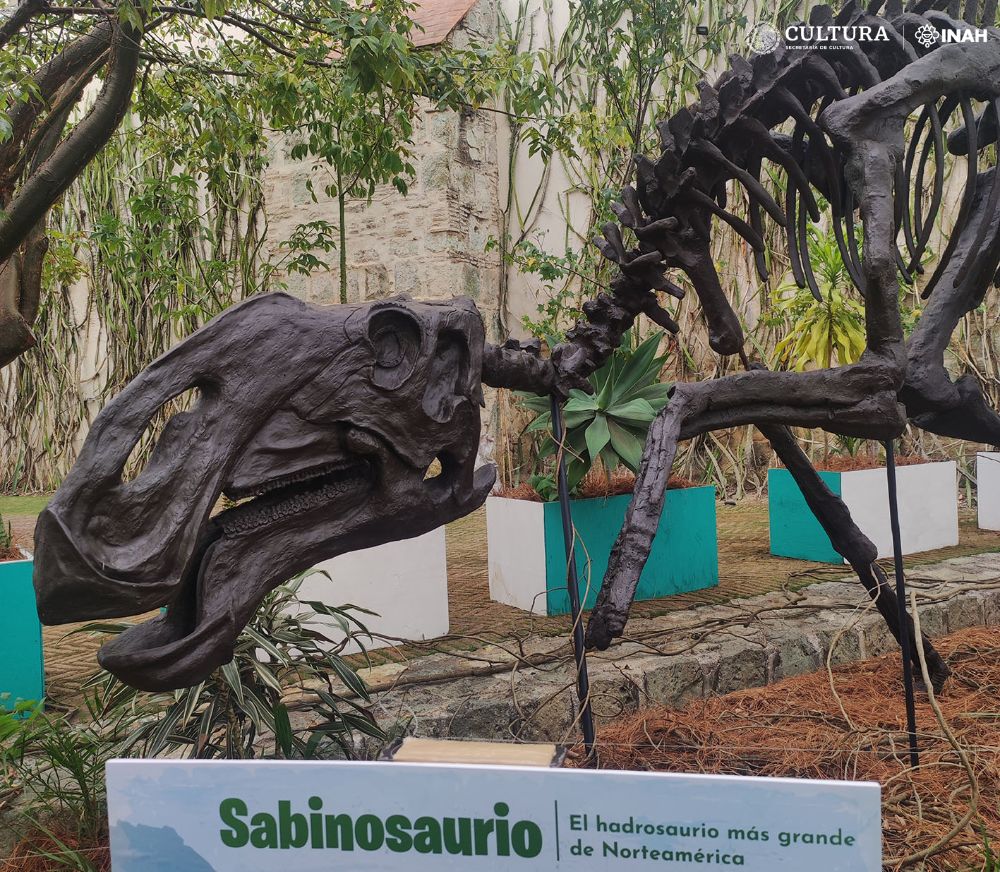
[{"x": 277, "y": 816}]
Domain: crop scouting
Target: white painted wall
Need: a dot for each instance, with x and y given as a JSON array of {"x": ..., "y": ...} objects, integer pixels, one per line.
[
  {"x": 988, "y": 489},
  {"x": 405, "y": 583},
  {"x": 515, "y": 539},
  {"x": 543, "y": 198},
  {"x": 928, "y": 505}
]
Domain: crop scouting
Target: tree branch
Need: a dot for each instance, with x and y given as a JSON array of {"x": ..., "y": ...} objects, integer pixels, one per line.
[
  {"x": 25, "y": 11},
  {"x": 48, "y": 79},
  {"x": 41, "y": 143},
  {"x": 45, "y": 186}
]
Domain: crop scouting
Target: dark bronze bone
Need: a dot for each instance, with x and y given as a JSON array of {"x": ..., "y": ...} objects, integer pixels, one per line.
[{"x": 327, "y": 417}]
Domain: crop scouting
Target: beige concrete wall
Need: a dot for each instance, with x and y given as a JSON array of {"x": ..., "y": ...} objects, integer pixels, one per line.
[{"x": 538, "y": 194}]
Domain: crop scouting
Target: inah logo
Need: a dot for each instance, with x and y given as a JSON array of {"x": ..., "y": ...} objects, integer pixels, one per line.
[
  {"x": 927, "y": 35},
  {"x": 763, "y": 38}
]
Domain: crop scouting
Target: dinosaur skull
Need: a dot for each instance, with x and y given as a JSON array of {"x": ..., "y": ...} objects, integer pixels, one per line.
[{"x": 321, "y": 423}]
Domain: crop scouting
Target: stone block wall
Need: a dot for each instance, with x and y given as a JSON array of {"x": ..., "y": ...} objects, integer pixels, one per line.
[
  {"x": 429, "y": 244},
  {"x": 528, "y": 692}
]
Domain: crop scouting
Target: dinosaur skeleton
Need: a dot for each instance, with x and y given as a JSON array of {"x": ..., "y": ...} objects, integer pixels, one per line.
[
  {"x": 847, "y": 105},
  {"x": 329, "y": 417}
]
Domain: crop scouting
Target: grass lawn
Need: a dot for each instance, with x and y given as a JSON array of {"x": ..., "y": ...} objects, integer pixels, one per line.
[{"x": 27, "y": 505}]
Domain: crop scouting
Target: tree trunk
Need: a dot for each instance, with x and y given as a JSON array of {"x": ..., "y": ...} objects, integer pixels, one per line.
[
  {"x": 20, "y": 291},
  {"x": 54, "y": 166},
  {"x": 15, "y": 334}
]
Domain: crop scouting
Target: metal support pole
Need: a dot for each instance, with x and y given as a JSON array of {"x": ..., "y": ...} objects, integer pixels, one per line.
[
  {"x": 573, "y": 585},
  {"x": 904, "y": 624}
]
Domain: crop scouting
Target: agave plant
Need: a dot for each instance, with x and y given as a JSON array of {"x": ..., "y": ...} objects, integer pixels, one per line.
[{"x": 609, "y": 426}]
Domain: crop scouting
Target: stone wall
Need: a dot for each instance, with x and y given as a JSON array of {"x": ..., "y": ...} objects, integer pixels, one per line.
[
  {"x": 525, "y": 688},
  {"x": 430, "y": 243}
]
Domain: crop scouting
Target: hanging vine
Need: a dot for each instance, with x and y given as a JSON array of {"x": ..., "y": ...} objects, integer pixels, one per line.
[
  {"x": 150, "y": 243},
  {"x": 613, "y": 70}
]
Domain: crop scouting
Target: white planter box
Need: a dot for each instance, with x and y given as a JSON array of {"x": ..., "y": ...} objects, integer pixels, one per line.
[
  {"x": 927, "y": 494},
  {"x": 515, "y": 544},
  {"x": 988, "y": 489},
  {"x": 928, "y": 510},
  {"x": 405, "y": 583},
  {"x": 527, "y": 552}
]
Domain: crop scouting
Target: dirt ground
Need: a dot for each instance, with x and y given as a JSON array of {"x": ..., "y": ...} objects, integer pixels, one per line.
[
  {"x": 850, "y": 724},
  {"x": 745, "y": 565}
]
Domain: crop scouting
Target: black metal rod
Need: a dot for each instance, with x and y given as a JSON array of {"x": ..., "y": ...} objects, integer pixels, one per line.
[
  {"x": 573, "y": 585},
  {"x": 904, "y": 622}
]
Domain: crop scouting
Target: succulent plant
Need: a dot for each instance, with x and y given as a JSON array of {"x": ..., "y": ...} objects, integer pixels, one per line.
[{"x": 608, "y": 426}]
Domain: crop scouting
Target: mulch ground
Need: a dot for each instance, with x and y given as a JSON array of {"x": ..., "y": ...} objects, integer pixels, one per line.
[
  {"x": 850, "y": 724},
  {"x": 57, "y": 853}
]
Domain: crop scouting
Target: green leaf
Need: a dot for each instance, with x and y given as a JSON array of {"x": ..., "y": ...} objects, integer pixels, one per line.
[
  {"x": 575, "y": 471},
  {"x": 163, "y": 730},
  {"x": 599, "y": 378},
  {"x": 265, "y": 644},
  {"x": 545, "y": 487},
  {"x": 604, "y": 382},
  {"x": 628, "y": 446},
  {"x": 657, "y": 395},
  {"x": 533, "y": 403},
  {"x": 598, "y": 435},
  {"x": 542, "y": 422},
  {"x": 635, "y": 411},
  {"x": 572, "y": 420},
  {"x": 580, "y": 402},
  {"x": 232, "y": 677},
  {"x": 283, "y": 729},
  {"x": 266, "y": 676},
  {"x": 349, "y": 677},
  {"x": 193, "y": 699},
  {"x": 610, "y": 459},
  {"x": 642, "y": 366}
]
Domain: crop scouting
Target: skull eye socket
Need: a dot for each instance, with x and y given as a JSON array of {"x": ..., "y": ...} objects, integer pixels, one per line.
[
  {"x": 388, "y": 350},
  {"x": 395, "y": 337}
]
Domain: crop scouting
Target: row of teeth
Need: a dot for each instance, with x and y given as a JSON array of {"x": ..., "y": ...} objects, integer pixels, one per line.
[
  {"x": 291, "y": 478},
  {"x": 252, "y": 515}
]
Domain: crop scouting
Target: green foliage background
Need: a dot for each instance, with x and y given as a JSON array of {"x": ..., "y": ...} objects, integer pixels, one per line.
[{"x": 168, "y": 226}]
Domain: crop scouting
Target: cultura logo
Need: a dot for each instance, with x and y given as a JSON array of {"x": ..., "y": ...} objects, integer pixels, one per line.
[
  {"x": 927, "y": 35},
  {"x": 764, "y": 38}
]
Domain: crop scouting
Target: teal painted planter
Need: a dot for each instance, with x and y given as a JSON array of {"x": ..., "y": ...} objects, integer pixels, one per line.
[
  {"x": 928, "y": 510},
  {"x": 795, "y": 532},
  {"x": 22, "y": 672},
  {"x": 527, "y": 562}
]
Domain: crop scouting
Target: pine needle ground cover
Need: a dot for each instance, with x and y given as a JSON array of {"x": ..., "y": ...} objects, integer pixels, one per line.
[{"x": 849, "y": 723}]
